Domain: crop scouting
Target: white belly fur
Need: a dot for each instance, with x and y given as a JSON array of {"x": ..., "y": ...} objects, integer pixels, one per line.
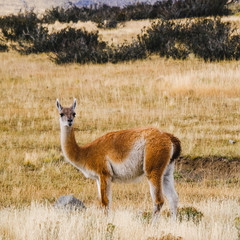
[{"x": 131, "y": 168}]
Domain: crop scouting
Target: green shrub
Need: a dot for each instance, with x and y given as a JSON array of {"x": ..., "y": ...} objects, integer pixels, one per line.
[
  {"x": 71, "y": 45},
  {"x": 210, "y": 39},
  {"x": 71, "y": 13},
  {"x": 189, "y": 214},
  {"x": 104, "y": 15},
  {"x": 82, "y": 47},
  {"x": 110, "y": 231},
  {"x": 23, "y": 25},
  {"x": 26, "y": 29},
  {"x": 137, "y": 11},
  {"x": 167, "y": 9},
  {"x": 107, "y": 24},
  {"x": 145, "y": 217},
  {"x": 40, "y": 41},
  {"x": 188, "y": 8},
  {"x": 55, "y": 14},
  {"x": 165, "y": 39},
  {"x": 237, "y": 225},
  {"x": 68, "y": 45},
  {"x": 125, "y": 52},
  {"x": 3, "y": 46}
]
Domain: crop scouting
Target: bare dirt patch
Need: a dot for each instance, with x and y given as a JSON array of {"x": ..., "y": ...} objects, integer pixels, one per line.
[{"x": 212, "y": 167}]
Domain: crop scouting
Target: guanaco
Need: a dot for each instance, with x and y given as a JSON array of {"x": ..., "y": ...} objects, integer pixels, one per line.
[{"x": 124, "y": 156}]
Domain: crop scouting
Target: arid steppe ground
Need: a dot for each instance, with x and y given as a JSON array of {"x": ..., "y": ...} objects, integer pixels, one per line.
[{"x": 198, "y": 102}]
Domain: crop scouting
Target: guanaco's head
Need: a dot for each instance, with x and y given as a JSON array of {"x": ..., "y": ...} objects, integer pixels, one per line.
[{"x": 67, "y": 114}]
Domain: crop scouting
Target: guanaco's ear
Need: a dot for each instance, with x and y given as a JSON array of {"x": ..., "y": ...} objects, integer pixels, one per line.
[
  {"x": 74, "y": 104},
  {"x": 59, "y": 106}
]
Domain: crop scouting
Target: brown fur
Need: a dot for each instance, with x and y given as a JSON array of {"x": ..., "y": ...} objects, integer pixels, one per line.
[{"x": 117, "y": 146}]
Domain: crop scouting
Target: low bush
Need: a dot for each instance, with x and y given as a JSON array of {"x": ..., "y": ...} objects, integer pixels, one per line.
[
  {"x": 167, "y": 9},
  {"x": 71, "y": 45},
  {"x": 189, "y": 214},
  {"x": 107, "y": 24},
  {"x": 39, "y": 41},
  {"x": 104, "y": 15},
  {"x": 166, "y": 39},
  {"x": 82, "y": 47},
  {"x": 126, "y": 52},
  {"x": 210, "y": 39},
  {"x": 3, "y": 46},
  {"x": 170, "y": 9},
  {"x": 67, "y": 45},
  {"x": 72, "y": 13},
  {"x": 23, "y": 25}
]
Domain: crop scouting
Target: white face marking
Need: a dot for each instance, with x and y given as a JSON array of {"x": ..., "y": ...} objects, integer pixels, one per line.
[
  {"x": 64, "y": 122},
  {"x": 66, "y": 114},
  {"x": 132, "y": 167}
]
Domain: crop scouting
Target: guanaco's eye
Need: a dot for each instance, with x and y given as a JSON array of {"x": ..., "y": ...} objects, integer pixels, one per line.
[
  {"x": 74, "y": 114},
  {"x": 61, "y": 114}
]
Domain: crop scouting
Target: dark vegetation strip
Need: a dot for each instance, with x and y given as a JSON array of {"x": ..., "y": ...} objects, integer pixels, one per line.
[
  {"x": 106, "y": 16},
  {"x": 210, "y": 39}
]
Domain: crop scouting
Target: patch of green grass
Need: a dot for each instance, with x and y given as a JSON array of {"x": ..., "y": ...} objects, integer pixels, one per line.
[{"x": 189, "y": 214}]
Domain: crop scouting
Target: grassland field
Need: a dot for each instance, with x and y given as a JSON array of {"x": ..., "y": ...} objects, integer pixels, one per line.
[{"x": 197, "y": 101}]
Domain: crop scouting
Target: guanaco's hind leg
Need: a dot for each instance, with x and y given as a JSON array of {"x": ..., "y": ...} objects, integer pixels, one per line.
[
  {"x": 155, "y": 183},
  {"x": 157, "y": 157},
  {"x": 169, "y": 189},
  {"x": 104, "y": 191}
]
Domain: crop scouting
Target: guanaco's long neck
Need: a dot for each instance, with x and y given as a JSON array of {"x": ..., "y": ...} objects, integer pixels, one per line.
[{"x": 71, "y": 150}]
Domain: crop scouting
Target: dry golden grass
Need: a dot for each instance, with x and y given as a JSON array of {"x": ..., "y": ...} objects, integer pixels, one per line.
[
  {"x": 40, "y": 221},
  {"x": 198, "y": 102},
  {"x": 126, "y": 31}
]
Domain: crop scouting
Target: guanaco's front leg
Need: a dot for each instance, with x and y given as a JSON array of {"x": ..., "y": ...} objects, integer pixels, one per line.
[{"x": 104, "y": 190}]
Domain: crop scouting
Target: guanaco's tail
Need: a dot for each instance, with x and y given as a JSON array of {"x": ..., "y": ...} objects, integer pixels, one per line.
[{"x": 176, "y": 147}]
